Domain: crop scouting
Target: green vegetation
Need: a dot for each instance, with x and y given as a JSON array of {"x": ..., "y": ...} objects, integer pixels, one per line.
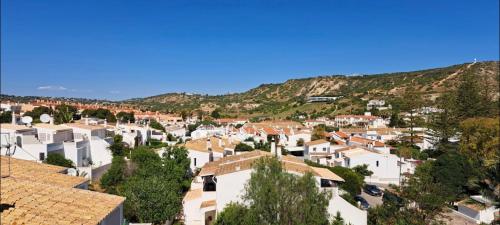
[
  {"x": 117, "y": 148},
  {"x": 156, "y": 125},
  {"x": 242, "y": 147},
  {"x": 37, "y": 112},
  {"x": 125, "y": 117},
  {"x": 100, "y": 113},
  {"x": 153, "y": 185},
  {"x": 6, "y": 117},
  {"x": 58, "y": 160},
  {"x": 64, "y": 113}
]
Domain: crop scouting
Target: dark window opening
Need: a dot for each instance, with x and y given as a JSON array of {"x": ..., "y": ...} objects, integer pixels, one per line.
[
  {"x": 41, "y": 156},
  {"x": 209, "y": 183},
  {"x": 377, "y": 163},
  {"x": 327, "y": 183},
  {"x": 6, "y": 206}
]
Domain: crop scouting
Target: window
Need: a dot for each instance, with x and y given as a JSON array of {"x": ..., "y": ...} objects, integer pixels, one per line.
[
  {"x": 314, "y": 149},
  {"x": 41, "y": 156},
  {"x": 324, "y": 149},
  {"x": 377, "y": 163},
  {"x": 194, "y": 161}
]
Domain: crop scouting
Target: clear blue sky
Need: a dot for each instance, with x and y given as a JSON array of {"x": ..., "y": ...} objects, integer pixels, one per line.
[{"x": 123, "y": 49}]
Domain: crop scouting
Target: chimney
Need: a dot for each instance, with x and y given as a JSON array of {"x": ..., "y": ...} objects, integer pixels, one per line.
[
  {"x": 52, "y": 120},
  {"x": 13, "y": 117},
  {"x": 86, "y": 120},
  {"x": 105, "y": 122},
  {"x": 210, "y": 153},
  {"x": 128, "y": 122},
  {"x": 278, "y": 152},
  {"x": 273, "y": 147}
]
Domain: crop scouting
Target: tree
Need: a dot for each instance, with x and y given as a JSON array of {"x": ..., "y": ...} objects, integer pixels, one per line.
[
  {"x": 100, "y": 113},
  {"x": 215, "y": 114},
  {"x": 278, "y": 197},
  {"x": 452, "y": 170},
  {"x": 396, "y": 121},
  {"x": 64, "y": 113},
  {"x": 362, "y": 170},
  {"x": 428, "y": 195},
  {"x": 233, "y": 214},
  {"x": 37, "y": 112},
  {"x": 151, "y": 199},
  {"x": 242, "y": 147},
  {"x": 156, "y": 125},
  {"x": 117, "y": 148},
  {"x": 115, "y": 175},
  {"x": 470, "y": 101},
  {"x": 154, "y": 192},
  {"x": 300, "y": 142},
  {"x": 6, "y": 117},
  {"x": 444, "y": 124},
  {"x": 124, "y": 117},
  {"x": 318, "y": 133},
  {"x": 480, "y": 143},
  {"x": 412, "y": 102},
  {"x": 58, "y": 160}
]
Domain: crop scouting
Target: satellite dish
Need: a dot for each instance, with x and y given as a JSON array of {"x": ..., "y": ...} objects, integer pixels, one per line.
[
  {"x": 45, "y": 118},
  {"x": 27, "y": 119},
  {"x": 72, "y": 172}
]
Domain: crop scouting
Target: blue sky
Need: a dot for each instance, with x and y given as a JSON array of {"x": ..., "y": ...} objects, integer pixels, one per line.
[{"x": 124, "y": 49}]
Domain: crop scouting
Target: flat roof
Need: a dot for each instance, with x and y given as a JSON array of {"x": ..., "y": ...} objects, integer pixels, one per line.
[
  {"x": 10, "y": 126},
  {"x": 85, "y": 126},
  {"x": 316, "y": 142},
  {"x": 51, "y": 126}
]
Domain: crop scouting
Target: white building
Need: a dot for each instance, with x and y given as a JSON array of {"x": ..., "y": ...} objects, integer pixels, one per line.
[
  {"x": 478, "y": 208},
  {"x": 202, "y": 151},
  {"x": 366, "y": 120},
  {"x": 318, "y": 151},
  {"x": 377, "y": 104},
  {"x": 223, "y": 181},
  {"x": 385, "y": 167},
  {"x": 204, "y": 131},
  {"x": 176, "y": 131}
]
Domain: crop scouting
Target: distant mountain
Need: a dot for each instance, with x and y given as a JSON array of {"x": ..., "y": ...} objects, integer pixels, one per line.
[{"x": 285, "y": 98}]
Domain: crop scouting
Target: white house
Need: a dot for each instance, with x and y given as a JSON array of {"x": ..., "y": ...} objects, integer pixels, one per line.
[
  {"x": 366, "y": 120},
  {"x": 223, "y": 181},
  {"x": 478, "y": 208},
  {"x": 204, "y": 131},
  {"x": 317, "y": 151},
  {"x": 50, "y": 133},
  {"x": 385, "y": 167},
  {"x": 176, "y": 131},
  {"x": 377, "y": 104},
  {"x": 202, "y": 151}
]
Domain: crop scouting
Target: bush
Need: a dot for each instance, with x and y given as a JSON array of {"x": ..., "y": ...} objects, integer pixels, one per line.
[
  {"x": 242, "y": 147},
  {"x": 58, "y": 160}
]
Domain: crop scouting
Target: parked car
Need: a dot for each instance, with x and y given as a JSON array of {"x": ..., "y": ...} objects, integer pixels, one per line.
[
  {"x": 372, "y": 190},
  {"x": 363, "y": 203},
  {"x": 391, "y": 198}
]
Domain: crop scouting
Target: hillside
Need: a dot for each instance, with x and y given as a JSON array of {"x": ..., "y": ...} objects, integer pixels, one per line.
[{"x": 285, "y": 98}]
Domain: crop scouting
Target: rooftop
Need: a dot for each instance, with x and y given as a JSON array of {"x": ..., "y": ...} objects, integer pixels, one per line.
[
  {"x": 41, "y": 194},
  {"x": 9, "y": 126},
  {"x": 85, "y": 126},
  {"x": 51, "y": 126},
  {"x": 216, "y": 145},
  {"x": 245, "y": 161},
  {"x": 38, "y": 172},
  {"x": 317, "y": 142}
]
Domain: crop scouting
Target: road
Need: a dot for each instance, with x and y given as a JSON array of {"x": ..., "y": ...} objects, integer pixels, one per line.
[{"x": 372, "y": 200}]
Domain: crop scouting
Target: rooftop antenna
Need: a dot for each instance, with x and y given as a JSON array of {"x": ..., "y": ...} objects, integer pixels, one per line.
[
  {"x": 45, "y": 118},
  {"x": 5, "y": 143},
  {"x": 27, "y": 120}
]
